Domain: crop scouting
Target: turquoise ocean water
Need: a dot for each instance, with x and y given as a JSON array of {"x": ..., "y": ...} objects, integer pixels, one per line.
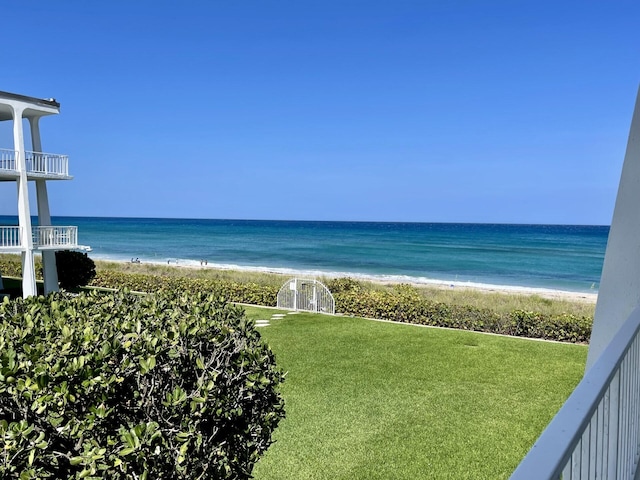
[{"x": 560, "y": 257}]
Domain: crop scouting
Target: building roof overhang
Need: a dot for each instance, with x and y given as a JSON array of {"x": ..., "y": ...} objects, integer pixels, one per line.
[{"x": 33, "y": 107}]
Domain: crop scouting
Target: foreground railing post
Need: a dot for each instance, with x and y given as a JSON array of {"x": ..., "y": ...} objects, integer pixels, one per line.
[{"x": 614, "y": 402}]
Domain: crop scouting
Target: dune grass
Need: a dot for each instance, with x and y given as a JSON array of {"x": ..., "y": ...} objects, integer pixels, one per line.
[
  {"x": 507, "y": 302},
  {"x": 375, "y": 400}
]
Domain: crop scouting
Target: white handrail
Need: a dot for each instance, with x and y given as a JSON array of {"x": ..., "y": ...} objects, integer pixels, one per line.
[
  {"x": 47, "y": 163},
  {"x": 8, "y": 159},
  {"x": 596, "y": 433},
  {"x": 10, "y": 236},
  {"x": 55, "y": 236}
]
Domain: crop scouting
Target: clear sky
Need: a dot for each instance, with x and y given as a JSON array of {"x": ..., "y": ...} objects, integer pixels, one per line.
[{"x": 434, "y": 111}]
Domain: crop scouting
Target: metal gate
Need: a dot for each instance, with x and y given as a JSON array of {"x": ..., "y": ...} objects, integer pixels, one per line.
[{"x": 308, "y": 295}]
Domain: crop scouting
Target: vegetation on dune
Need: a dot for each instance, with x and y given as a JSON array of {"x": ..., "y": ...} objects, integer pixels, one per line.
[
  {"x": 400, "y": 303},
  {"x": 519, "y": 315}
]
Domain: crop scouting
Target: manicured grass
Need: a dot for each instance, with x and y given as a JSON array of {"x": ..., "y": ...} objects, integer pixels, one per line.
[{"x": 374, "y": 400}]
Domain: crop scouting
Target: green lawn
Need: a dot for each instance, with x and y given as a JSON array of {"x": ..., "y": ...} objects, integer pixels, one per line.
[{"x": 373, "y": 400}]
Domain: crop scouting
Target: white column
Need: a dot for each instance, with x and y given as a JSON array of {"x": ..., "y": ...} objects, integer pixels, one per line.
[
  {"x": 619, "y": 291},
  {"x": 49, "y": 270},
  {"x": 24, "y": 214}
]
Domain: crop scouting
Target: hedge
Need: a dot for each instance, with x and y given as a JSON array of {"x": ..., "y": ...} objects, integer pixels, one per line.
[
  {"x": 407, "y": 305},
  {"x": 404, "y": 303},
  {"x": 174, "y": 386},
  {"x": 251, "y": 293}
]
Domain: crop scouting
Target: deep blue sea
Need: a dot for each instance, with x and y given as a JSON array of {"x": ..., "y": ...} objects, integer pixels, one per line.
[{"x": 562, "y": 257}]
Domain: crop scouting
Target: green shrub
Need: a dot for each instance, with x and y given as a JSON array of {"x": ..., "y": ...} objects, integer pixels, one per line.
[
  {"x": 252, "y": 293},
  {"x": 342, "y": 284},
  {"x": 173, "y": 386},
  {"x": 404, "y": 304},
  {"x": 75, "y": 269}
]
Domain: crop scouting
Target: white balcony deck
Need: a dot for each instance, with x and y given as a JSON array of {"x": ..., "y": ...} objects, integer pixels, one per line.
[
  {"x": 44, "y": 238},
  {"x": 49, "y": 166}
]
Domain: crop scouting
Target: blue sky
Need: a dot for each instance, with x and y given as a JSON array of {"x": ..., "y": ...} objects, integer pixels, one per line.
[{"x": 458, "y": 111}]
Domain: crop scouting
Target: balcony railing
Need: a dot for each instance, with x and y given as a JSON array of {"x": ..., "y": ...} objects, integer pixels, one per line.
[
  {"x": 36, "y": 163},
  {"x": 47, "y": 163},
  {"x": 10, "y": 237},
  {"x": 596, "y": 433},
  {"x": 55, "y": 237},
  {"x": 49, "y": 237},
  {"x": 8, "y": 160}
]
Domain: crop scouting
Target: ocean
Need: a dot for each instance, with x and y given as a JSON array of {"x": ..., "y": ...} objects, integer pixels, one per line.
[{"x": 559, "y": 257}]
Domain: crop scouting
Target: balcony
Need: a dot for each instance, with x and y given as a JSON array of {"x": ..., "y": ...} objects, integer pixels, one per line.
[
  {"x": 44, "y": 238},
  {"x": 47, "y": 166}
]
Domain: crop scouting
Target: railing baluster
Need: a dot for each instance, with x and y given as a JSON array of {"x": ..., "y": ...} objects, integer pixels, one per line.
[
  {"x": 614, "y": 409},
  {"x": 576, "y": 460},
  {"x": 593, "y": 441},
  {"x": 584, "y": 452},
  {"x": 604, "y": 450},
  {"x": 622, "y": 421}
]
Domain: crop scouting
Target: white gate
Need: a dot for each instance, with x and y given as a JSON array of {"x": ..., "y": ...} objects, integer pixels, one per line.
[{"x": 308, "y": 295}]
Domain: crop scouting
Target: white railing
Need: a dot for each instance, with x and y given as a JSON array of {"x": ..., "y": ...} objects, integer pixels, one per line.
[
  {"x": 47, "y": 163},
  {"x": 10, "y": 237},
  {"x": 596, "y": 433},
  {"x": 36, "y": 162},
  {"x": 8, "y": 160},
  {"x": 55, "y": 237}
]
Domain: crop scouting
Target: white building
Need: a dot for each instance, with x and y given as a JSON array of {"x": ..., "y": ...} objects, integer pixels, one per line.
[{"x": 22, "y": 168}]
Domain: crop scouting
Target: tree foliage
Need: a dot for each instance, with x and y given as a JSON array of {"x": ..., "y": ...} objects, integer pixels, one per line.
[{"x": 75, "y": 269}]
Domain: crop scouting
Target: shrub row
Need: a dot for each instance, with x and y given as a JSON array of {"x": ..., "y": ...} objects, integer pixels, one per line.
[
  {"x": 252, "y": 293},
  {"x": 405, "y": 304},
  {"x": 174, "y": 386}
]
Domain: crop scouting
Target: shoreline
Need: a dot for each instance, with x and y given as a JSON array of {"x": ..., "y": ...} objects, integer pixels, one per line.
[{"x": 286, "y": 273}]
